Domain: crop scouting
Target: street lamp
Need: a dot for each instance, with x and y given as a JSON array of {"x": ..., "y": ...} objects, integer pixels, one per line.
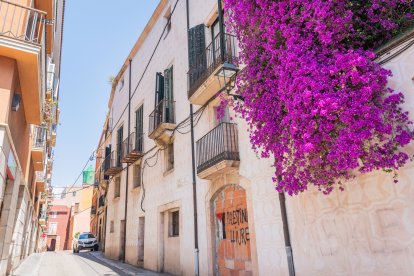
[{"x": 227, "y": 79}]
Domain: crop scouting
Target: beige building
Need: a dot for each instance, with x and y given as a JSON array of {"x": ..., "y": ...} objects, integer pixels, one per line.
[
  {"x": 150, "y": 216},
  {"x": 79, "y": 200},
  {"x": 30, "y": 53}
]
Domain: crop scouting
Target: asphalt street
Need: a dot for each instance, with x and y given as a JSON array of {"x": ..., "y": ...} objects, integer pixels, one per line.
[{"x": 70, "y": 264}]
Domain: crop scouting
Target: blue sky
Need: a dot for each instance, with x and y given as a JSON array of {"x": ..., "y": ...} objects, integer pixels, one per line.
[{"x": 98, "y": 36}]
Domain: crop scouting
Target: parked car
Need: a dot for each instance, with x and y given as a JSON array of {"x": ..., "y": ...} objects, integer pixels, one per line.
[{"x": 85, "y": 240}]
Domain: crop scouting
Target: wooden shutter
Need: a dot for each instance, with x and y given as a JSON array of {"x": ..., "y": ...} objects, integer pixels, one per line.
[
  {"x": 168, "y": 84},
  {"x": 168, "y": 116},
  {"x": 197, "y": 54}
]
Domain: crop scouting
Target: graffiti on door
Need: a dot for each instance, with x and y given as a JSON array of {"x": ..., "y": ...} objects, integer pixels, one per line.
[{"x": 232, "y": 245}]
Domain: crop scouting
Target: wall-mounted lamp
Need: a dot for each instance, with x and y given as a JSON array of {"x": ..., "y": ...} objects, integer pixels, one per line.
[
  {"x": 16, "y": 102},
  {"x": 227, "y": 79}
]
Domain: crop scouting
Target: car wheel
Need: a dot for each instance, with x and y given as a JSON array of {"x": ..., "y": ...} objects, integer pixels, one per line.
[{"x": 95, "y": 248}]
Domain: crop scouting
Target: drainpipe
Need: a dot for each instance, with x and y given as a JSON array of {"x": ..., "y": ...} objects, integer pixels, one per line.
[
  {"x": 127, "y": 169},
  {"x": 196, "y": 250},
  {"x": 288, "y": 246},
  {"x": 221, "y": 27}
]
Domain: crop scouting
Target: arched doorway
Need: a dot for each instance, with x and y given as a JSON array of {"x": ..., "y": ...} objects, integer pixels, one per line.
[{"x": 230, "y": 231}]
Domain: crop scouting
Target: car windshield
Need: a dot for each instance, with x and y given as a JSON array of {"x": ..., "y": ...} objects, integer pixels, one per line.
[{"x": 86, "y": 236}]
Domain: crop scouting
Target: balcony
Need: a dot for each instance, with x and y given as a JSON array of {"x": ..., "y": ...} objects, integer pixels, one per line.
[
  {"x": 43, "y": 217},
  {"x": 40, "y": 181},
  {"x": 203, "y": 84},
  {"x": 53, "y": 135},
  {"x": 43, "y": 198},
  {"x": 112, "y": 164},
  {"x": 218, "y": 152},
  {"x": 22, "y": 38},
  {"x": 93, "y": 210},
  {"x": 132, "y": 148},
  {"x": 162, "y": 122},
  {"x": 101, "y": 201},
  {"x": 39, "y": 148}
]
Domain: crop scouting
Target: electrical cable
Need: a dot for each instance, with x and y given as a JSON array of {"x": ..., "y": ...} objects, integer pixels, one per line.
[{"x": 148, "y": 63}]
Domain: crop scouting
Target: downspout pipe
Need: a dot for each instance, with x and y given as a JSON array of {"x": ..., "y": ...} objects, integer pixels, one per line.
[
  {"x": 127, "y": 169},
  {"x": 196, "y": 249},
  {"x": 288, "y": 246}
]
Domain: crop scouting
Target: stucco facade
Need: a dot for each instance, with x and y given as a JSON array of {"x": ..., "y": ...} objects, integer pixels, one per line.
[{"x": 365, "y": 230}]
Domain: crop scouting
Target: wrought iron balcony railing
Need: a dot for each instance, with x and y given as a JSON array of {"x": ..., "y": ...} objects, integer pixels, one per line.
[
  {"x": 39, "y": 137},
  {"x": 132, "y": 147},
  {"x": 164, "y": 112},
  {"x": 93, "y": 210},
  {"x": 204, "y": 65},
  {"x": 101, "y": 201},
  {"x": 112, "y": 163},
  {"x": 21, "y": 22},
  {"x": 40, "y": 177},
  {"x": 220, "y": 144}
]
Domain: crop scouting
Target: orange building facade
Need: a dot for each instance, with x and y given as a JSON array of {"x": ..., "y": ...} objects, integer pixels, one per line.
[{"x": 30, "y": 54}]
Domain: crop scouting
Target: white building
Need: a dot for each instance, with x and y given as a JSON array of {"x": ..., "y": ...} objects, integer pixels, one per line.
[{"x": 366, "y": 230}]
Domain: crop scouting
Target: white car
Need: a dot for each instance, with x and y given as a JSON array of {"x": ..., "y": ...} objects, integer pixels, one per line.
[{"x": 85, "y": 240}]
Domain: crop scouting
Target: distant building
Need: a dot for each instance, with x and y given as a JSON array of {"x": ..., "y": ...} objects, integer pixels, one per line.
[
  {"x": 79, "y": 200},
  {"x": 58, "y": 228}
]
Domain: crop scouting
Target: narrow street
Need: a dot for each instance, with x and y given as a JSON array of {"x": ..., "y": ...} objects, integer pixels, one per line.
[{"x": 67, "y": 263}]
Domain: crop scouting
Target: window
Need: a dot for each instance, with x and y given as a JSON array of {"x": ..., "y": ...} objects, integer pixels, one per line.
[
  {"x": 111, "y": 227},
  {"x": 137, "y": 176},
  {"x": 76, "y": 209},
  {"x": 117, "y": 187},
  {"x": 52, "y": 228},
  {"x": 53, "y": 214},
  {"x": 224, "y": 118},
  {"x": 169, "y": 157},
  {"x": 86, "y": 236},
  {"x": 174, "y": 224},
  {"x": 74, "y": 194}
]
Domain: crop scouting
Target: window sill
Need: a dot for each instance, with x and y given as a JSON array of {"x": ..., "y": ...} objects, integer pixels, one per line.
[
  {"x": 168, "y": 172},
  {"x": 136, "y": 188}
]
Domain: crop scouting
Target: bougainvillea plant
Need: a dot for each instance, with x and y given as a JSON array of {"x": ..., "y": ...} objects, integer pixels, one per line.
[{"x": 314, "y": 97}]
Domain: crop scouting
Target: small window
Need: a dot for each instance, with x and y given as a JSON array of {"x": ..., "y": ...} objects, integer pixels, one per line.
[
  {"x": 169, "y": 157},
  {"x": 111, "y": 227},
  {"x": 52, "y": 228},
  {"x": 137, "y": 176},
  {"x": 74, "y": 194},
  {"x": 175, "y": 224},
  {"x": 117, "y": 187},
  {"x": 76, "y": 210}
]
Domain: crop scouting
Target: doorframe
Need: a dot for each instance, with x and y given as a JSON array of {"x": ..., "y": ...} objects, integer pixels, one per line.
[{"x": 216, "y": 186}]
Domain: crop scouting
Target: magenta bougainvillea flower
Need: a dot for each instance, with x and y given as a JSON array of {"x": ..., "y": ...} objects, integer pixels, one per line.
[{"x": 314, "y": 97}]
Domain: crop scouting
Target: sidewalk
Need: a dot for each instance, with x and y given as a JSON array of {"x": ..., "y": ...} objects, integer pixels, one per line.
[{"x": 125, "y": 268}]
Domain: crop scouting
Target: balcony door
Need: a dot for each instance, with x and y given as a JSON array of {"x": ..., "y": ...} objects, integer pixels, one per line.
[
  {"x": 120, "y": 137},
  {"x": 139, "y": 122}
]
